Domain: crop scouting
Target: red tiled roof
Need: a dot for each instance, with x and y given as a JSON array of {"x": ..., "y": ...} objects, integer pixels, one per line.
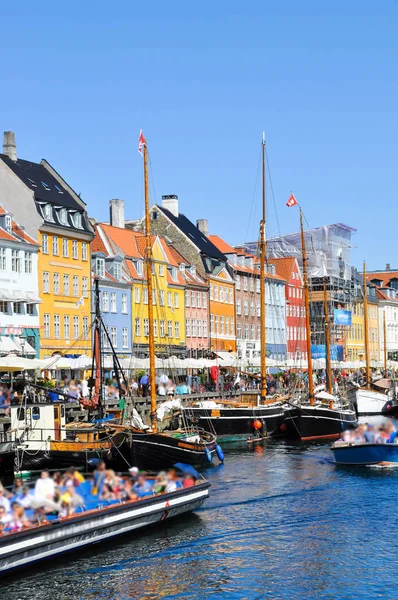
[
  {"x": 18, "y": 233},
  {"x": 384, "y": 276},
  {"x": 221, "y": 245},
  {"x": 97, "y": 245},
  {"x": 283, "y": 266},
  {"x": 125, "y": 239}
]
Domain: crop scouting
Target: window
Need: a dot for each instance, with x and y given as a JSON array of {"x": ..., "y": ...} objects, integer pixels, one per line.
[
  {"x": 239, "y": 330},
  {"x": 177, "y": 330},
  {"x": 204, "y": 300},
  {"x": 75, "y": 285},
  {"x": 253, "y": 332},
  {"x": 66, "y": 327},
  {"x": 252, "y": 285},
  {"x": 238, "y": 306},
  {"x": 3, "y": 306},
  {"x": 77, "y": 220},
  {"x": 238, "y": 282},
  {"x": 114, "y": 336},
  {"x": 199, "y": 323},
  {"x": 105, "y": 301},
  {"x": 84, "y": 250},
  {"x": 258, "y": 286},
  {"x": 169, "y": 299},
  {"x": 63, "y": 216},
  {"x": 231, "y": 296},
  {"x": 145, "y": 295},
  {"x": 188, "y": 327},
  {"x": 246, "y": 308},
  {"x": 161, "y": 270},
  {"x": 137, "y": 328},
  {"x": 217, "y": 325},
  {"x": 85, "y": 327},
  {"x": 246, "y": 331},
  {"x": 252, "y": 308},
  {"x": 3, "y": 259},
  {"x": 187, "y": 298},
  {"x": 56, "y": 283},
  {"x": 170, "y": 328},
  {"x": 28, "y": 262},
  {"x": 139, "y": 265},
  {"x": 75, "y": 327},
  {"x": 204, "y": 328},
  {"x": 30, "y": 309},
  {"x": 125, "y": 337},
  {"x": 57, "y": 326},
  {"x": 258, "y": 331},
  {"x": 162, "y": 330},
  {"x": 155, "y": 328},
  {"x": 211, "y": 291},
  {"x": 216, "y": 292},
  {"x": 117, "y": 270},
  {"x": 258, "y": 309},
  {"x": 55, "y": 245},
  {"x": 222, "y": 331},
  {"x": 193, "y": 299},
  {"x": 174, "y": 273},
  {"x": 212, "y": 323},
  {"x": 113, "y": 302},
  {"x": 85, "y": 287},
  {"x": 124, "y": 304},
  {"x": 46, "y": 331},
  {"x": 16, "y": 261},
  {"x": 75, "y": 249},
  {"x": 100, "y": 267},
  {"x": 48, "y": 212},
  {"x": 193, "y": 327},
  {"x": 105, "y": 337},
  {"x": 65, "y": 247},
  {"x": 176, "y": 300},
  {"x": 137, "y": 295},
  {"x": 66, "y": 285},
  {"x": 46, "y": 282},
  {"x": 245, "y": 284},
  {"x": 18, "y": 308},
  {"x": 44, "y": 243},
  {"x": 232, "y": 326},
  {"x": 221, "y": 293},
  {"x": 161, "y": 298}
]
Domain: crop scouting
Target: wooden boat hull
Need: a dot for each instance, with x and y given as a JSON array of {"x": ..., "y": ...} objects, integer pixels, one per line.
[
  {"x": 315, "y": 422},
  {"x": 235, "y": 421},
  {"x": 365, "y": 454},
  {"x": 160, "y": 451},
  {"x": 22, "y": 549}
]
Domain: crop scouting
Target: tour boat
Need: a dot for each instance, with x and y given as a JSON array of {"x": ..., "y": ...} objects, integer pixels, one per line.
[
  {"x": 105, "y": 521},
  {"x": 362, "y": 454}
]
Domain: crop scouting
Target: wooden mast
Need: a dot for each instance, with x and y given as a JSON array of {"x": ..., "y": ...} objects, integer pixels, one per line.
[
  {"x": 148, "y": 264},
  {"x": 366, "y": 325},
  {"x": 385, "y": 342},
  {"x": 263, "y": 299},
  {"x": 307, "y": 313},
  {"x": 329, "y": 376}
]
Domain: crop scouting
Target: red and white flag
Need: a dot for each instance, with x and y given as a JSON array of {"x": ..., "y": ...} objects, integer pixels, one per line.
[
  {"x": 292, "y": 201},
  {"x": 141, "y": 142}
]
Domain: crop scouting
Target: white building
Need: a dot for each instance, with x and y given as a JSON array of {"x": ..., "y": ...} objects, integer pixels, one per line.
[
  {"x": 19, "y": 294},
  {"x": 388, "y": 306}
]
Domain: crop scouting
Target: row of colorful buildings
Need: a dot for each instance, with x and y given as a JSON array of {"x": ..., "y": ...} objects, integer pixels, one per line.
[{"x": 206, "y": 293}]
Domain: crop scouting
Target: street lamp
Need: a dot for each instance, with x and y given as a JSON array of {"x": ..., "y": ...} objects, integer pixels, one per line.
[{"x": 22, "y": 341}]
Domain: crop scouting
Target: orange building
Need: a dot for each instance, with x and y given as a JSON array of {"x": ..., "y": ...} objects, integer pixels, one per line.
[{"x": 222, "y": 311}]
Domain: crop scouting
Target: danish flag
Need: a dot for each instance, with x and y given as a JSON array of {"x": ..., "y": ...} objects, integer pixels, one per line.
[
  {"x": 141, "y": 142},
  {"x": 292, "y": 201}
]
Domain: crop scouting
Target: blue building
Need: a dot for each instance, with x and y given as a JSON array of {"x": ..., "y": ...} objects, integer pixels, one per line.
[{"x": 115, "y": 296}]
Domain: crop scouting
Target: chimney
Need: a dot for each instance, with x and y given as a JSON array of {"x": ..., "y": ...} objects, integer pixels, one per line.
[
  {"x": 9, "y": 147},
  {"x": 388, "y": 266},
  {"x": 116, "y": 213},
  {"x": 203, "y": 226},
  {"x": 170, "y": 203}
]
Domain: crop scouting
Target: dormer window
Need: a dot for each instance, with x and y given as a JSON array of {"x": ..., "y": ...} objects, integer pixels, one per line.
[
  {"x": 182, "y": 268},
  {"x": 192, "y": 270},
  {"x": 174, "y": 273},
  {"x": 139, "y": 265},
  {"x": 117, "y": 270},
  {"x": 77, "y": 220},
  {"x": 8, "y": 223},
  {"x": 100, "y": 267},
  {"x": 63, "y": 216},
  {"x": 48, "y": 212}
]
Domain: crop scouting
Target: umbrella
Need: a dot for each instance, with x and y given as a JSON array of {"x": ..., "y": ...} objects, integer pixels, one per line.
[{"x": 187, "y": 469}]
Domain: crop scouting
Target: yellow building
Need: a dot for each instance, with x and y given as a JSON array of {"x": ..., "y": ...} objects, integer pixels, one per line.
[
  {"x": 356, "y": 334},
  {"x": 168, "y": 291}
]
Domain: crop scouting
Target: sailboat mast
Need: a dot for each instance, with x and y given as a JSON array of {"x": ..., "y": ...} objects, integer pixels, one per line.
[
  {"x": 148, "y": 264},
  {"x": 307, "y": 313},
  {"x": 385, "y": 341},
  {"x": 97, "y": 349},
  {"x": 263, "y": 341},
  {"x": 329, "y": 380},
  {"x": 366, "y": 325}
]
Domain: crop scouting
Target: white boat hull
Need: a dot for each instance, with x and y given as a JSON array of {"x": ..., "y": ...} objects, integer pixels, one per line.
[{"x": 370, "y": 402}]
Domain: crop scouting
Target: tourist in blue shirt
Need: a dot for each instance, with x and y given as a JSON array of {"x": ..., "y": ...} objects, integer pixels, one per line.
[
  {"x": 144, "y": 382},
  {"x": 142, "y": 487}
]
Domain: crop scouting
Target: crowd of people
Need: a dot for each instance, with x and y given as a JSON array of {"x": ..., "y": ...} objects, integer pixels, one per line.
[
  {"x": 368, "y": 433},
  {"x": 63, "y": 494}
]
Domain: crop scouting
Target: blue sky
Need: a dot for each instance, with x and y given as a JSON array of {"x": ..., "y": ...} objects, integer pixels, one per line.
[{"x": 203, "y": 80}]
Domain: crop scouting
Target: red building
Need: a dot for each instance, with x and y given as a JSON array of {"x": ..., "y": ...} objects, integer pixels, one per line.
[{"x": 288, "y": 269}]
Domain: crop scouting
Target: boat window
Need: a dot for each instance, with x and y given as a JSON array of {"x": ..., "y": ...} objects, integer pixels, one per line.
[
  {"x": 35, "y": 413},
  {"x": 62, "y": 410},
  {"x": 21, "y": 414}
]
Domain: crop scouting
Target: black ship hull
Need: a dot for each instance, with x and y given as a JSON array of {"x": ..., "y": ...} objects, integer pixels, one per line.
[
  {"x": 7, "y": 463},
  {"x": 229, "y": 422},
  {"x": 162, "y": 451},
  {"x": 317, "y": 422}
]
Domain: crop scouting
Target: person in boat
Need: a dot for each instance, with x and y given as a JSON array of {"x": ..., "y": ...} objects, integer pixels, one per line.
[
  {"x": 160, "y": 484},
  {"x": 127, "y": 492},
  {"x": 99, "y": 477},
  {"x": 142, "y": 487},
  {"x": 73, "y": 474},
  {"x": 27, "y": 497},
  {"x": 17, "y": 488},
  {"x": 45, "y": 487},
  {"x": 71, "y": 500},
  {"x": 18, "y": 519},
  {"x": 172, "y": 483},
  {"x": 5, "y": 517},
  {"x": 189, "y": 481},
  {"x": 134, "y": 474},
  {"x": 4, "y": 501}
]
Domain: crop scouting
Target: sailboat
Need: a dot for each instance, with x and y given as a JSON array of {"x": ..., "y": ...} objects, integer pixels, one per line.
[
  {"x": 232, "y": 420},
  {"x": 153, "y": 449},
  {"x": 41, "y": 438},
  {"x": 367, "y": 400},
  {"x": 320, "y": 414}
]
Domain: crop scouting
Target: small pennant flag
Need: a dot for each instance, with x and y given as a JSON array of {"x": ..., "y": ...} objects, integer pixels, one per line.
[
  {"x": 80, "y": 303},
  {"x": 141, "y": 142},
  {"x": 292, "y": 201}
]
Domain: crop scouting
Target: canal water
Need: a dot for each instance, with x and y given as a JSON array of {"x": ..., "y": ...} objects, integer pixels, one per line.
[{"x": 282, "y": 523}]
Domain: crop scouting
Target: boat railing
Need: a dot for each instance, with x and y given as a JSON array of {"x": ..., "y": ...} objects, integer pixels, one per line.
[{"x": 39, "y": 434}]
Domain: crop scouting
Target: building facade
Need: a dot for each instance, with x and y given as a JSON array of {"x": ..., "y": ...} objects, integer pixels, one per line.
[
  {"x": 50, "y": 211},
  {"x": 388, "y": 316}
]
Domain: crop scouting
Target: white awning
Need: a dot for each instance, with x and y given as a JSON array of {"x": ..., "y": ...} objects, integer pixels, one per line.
[
  {"x": 27, "y": 348},
  {"x": 7, "y": 345},
  {"x": 19, "y": 296}
]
